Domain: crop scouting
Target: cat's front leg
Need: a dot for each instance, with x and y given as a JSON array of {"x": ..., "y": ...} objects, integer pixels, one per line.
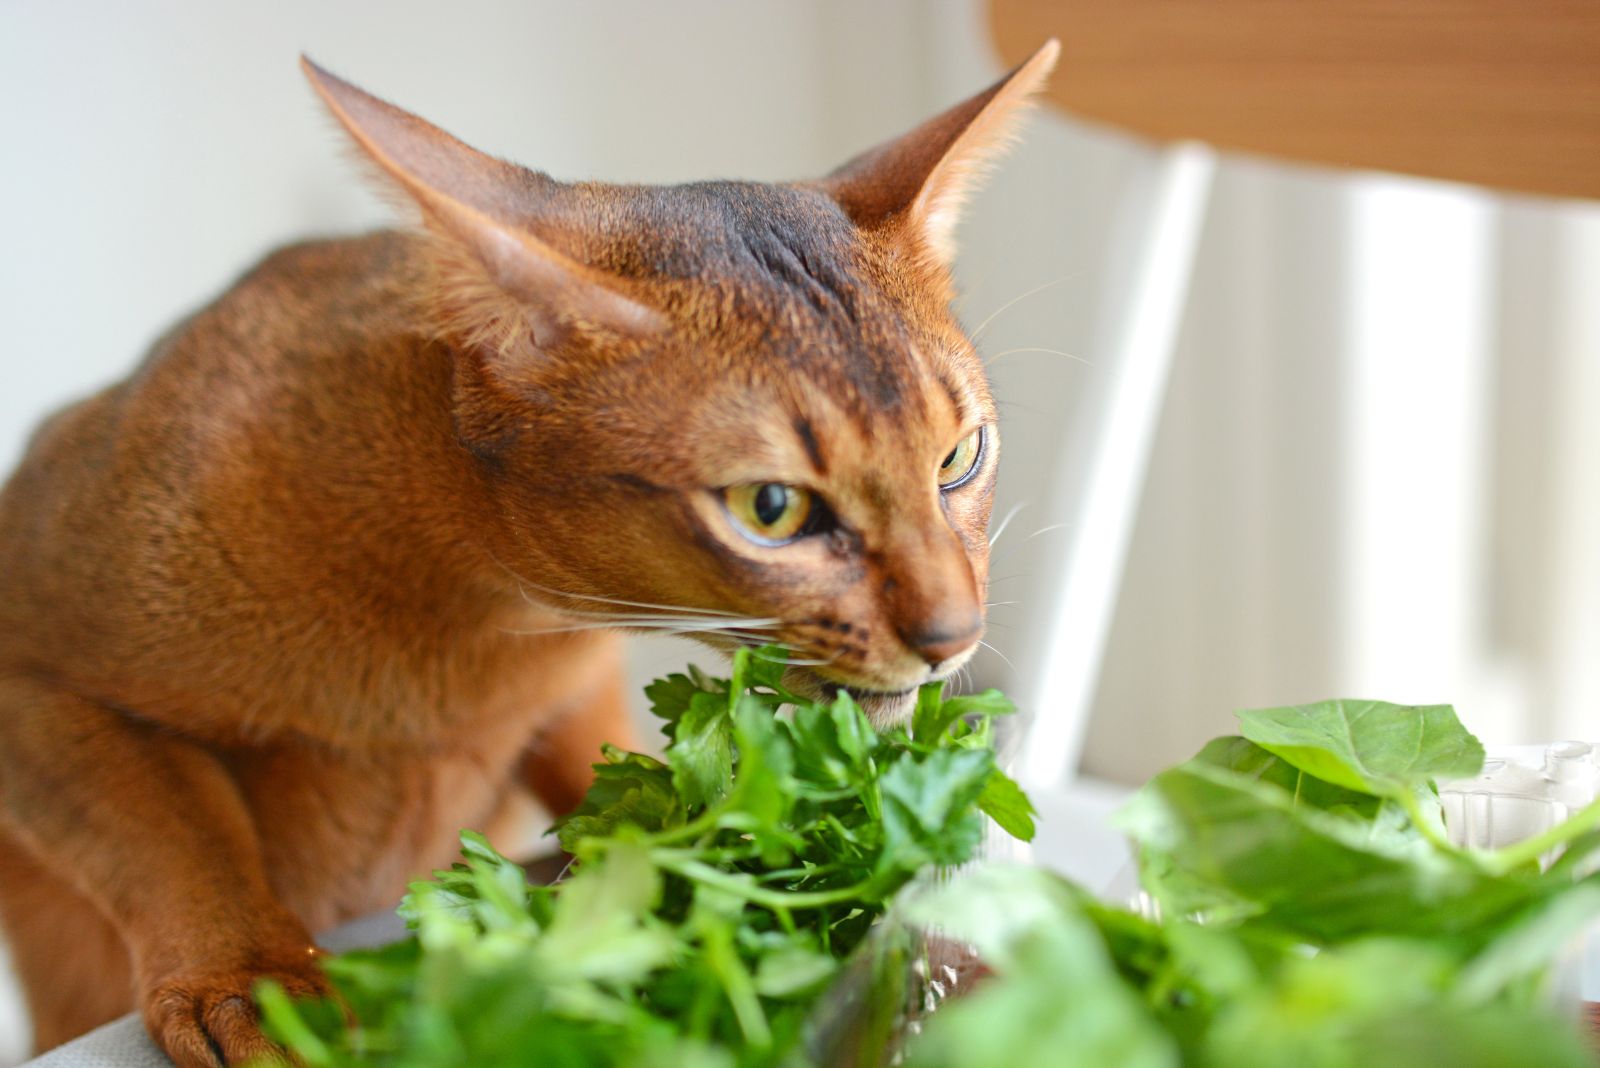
[{"x": 150, "y": 828}]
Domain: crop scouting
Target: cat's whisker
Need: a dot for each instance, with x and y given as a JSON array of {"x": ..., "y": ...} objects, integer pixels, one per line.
[
  {"x": 1012, "y": 548},
  {"x": 527, "y": 583},
  {"x": 643, "y": 619},
  {"x": 1006, "y": 522},
  {"x": 754, "y": 643},
  {"x": 710, "y": 623},
  {"x": 750, "y": 640},
  {"x": 790, "y": 661},
  {"x": 668, "y": 625},
  {"x": 998, "y": 653},
  {"x": 1014, "y": 301},
  {"x": 687, "y": 609},
  {"x": 958, "y": 680},
  {"x": 1046, "y": 530},
  {"x": 988, "y": 361},
  {"x": 997, "y": 604}
]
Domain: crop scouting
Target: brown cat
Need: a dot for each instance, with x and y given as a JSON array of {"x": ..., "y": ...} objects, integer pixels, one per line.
[{"x": 324, "y": 581}]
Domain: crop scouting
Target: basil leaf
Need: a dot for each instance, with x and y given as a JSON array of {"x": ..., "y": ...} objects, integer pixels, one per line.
[
  {"x": 1368, "y": 746},
  {"x": 1302, "y": 871}
]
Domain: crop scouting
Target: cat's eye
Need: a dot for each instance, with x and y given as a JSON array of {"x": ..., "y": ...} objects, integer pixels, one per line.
[
  {"x": 771, "y": 512},
  {"x": 962, "y": 461}
]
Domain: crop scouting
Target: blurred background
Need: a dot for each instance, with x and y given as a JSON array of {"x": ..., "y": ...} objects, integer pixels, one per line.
[{"x": 1372, "y": 471}]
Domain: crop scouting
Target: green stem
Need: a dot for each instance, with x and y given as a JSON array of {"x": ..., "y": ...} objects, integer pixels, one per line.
[
  {"x": 737, "y": 985},
  {"x": 1408, "y": 801},
  {"x": 799, "y": 873},
  {"x": 776, "y": 900},
  {"x": 706, "y": 821},
  {"x": 1529, "y": 850}
]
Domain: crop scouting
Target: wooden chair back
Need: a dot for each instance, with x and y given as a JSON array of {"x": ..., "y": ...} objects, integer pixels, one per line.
[{"x": 1500, "y": 93}]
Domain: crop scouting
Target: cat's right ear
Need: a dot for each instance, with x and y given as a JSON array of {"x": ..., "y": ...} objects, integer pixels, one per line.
[{"x": 489, "y": 210}]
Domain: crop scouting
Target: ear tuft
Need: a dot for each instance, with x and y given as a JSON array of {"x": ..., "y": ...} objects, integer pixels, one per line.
[{"x": 922, "y": 179}]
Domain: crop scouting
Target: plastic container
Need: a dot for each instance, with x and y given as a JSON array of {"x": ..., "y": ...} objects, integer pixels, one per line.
[
  {"x": 1522, "y": 791},
  {"x": 901, "y": 974}
]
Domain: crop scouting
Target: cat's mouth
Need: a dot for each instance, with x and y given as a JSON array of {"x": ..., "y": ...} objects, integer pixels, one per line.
[{"x": 883, "y": 707}]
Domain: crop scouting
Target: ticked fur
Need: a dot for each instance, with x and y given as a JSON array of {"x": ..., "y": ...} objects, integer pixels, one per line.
[{"x": 315, "y": 587}]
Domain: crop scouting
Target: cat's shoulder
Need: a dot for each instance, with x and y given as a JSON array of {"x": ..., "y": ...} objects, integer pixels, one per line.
[
  {"x": 308, "y": 302},
  {"x": 349, "y": 274}
]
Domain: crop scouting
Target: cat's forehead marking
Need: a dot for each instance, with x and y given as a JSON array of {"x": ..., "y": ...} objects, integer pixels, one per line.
[
  {"x": 778, "y": 264},
  {"x": 808, "y": 441}
]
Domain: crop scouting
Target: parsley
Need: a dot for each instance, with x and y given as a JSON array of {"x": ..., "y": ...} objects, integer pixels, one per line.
[{"x": 714, "y": 896}]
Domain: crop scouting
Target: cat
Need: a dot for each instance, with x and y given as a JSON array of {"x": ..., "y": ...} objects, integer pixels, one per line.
[{"x": 341, "y": 566}]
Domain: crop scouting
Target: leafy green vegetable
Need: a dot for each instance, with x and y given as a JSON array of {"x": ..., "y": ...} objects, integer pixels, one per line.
[
  {"x": 1305, "y": 872},
  {"x": 1370, "y": 746},
  {"x": 1337, "y": 928},
  {"x": 713, "y": 900},
  {"x": 1061, "y": 1004},
  {"x": 753, "y": 902}
]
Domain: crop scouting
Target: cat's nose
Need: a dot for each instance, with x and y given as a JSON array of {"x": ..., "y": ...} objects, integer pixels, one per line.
[{"x": 940, "y": 639}]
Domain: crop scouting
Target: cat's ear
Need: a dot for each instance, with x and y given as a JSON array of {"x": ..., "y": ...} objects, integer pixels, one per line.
[
  {"x": 919, "y": 181},
  {"x": 489, "y": 210}
]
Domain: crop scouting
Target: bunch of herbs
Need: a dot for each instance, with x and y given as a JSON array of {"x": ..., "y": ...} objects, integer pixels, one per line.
[{"x": 713, "y": 895}]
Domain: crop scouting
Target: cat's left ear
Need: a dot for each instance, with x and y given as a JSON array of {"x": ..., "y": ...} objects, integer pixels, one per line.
[{"x": 919, "y": 181}]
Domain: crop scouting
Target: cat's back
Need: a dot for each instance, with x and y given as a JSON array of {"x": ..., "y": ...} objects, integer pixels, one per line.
[
  {"x": 117, "y": 487},
  {"x": 289, "y": 320}
]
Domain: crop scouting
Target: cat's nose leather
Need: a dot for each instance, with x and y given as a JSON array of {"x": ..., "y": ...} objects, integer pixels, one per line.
[{"x": 940, "y": 639}]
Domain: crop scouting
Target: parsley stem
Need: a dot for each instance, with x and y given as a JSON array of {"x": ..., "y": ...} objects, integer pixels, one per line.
[
  {"x": 706, "y": 821},
  {"x": 800, "y": 873},
  {"x": 743, "y": 886},
  {"x": 737, "y": 985}
]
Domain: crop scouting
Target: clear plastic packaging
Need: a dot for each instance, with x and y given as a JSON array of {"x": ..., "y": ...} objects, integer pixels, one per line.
[
  {"x": 902, "y": 973},
  {"x": 1523, "y": 791}
]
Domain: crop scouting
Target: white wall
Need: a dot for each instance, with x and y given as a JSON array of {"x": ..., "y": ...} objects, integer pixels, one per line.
[{"x": 153, "y": 151}]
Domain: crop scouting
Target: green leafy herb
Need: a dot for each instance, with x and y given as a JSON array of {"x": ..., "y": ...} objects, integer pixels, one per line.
[
  {"x": 1370, "y": 746},
  {"x": 714, "y": 897}
]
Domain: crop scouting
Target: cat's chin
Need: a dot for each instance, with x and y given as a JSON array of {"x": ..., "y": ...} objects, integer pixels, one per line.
[{"x": 884, "y": 708}]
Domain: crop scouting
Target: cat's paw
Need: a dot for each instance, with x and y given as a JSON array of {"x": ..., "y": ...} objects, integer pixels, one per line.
[{"x": 207, "y": 1018}]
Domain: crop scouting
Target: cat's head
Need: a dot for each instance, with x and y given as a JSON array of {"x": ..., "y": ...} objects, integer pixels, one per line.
[{"x": 736, "y": 410}]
